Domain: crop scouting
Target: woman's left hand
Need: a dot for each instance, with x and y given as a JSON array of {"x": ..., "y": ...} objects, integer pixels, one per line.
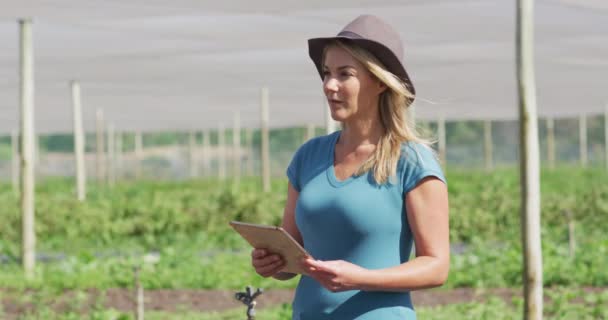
[{"x": 335, "y": 275}]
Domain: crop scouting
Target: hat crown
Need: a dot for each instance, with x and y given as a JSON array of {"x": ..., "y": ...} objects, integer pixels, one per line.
[{"x": 373, "y": 28}]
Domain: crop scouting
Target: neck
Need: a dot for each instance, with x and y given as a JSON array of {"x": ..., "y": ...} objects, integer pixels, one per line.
[{"x": 361, "y": 132}]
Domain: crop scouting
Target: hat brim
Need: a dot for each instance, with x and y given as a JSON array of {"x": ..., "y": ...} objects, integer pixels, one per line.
[{"x": 385, "y": 55}]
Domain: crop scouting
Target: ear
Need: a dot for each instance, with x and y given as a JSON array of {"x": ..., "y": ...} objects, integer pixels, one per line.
[{"x": 381, "y": 86}]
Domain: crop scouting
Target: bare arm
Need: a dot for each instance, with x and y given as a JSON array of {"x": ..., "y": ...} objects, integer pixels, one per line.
[
  {"x": 268, "y": 264},
  {"x": 427, "y": 212}
]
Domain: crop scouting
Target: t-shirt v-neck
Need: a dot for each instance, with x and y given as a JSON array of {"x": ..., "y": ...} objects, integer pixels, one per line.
[{"x": 331, "y": 172}]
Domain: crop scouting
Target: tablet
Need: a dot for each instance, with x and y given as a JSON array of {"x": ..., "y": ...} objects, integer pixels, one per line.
[{"x": 275, "y": 240}]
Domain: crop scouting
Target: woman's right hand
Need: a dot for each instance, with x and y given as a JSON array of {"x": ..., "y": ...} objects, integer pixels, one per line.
[{"x": 266, "y": 263}]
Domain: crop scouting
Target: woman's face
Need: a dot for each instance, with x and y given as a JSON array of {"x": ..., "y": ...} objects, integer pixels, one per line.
[{"x": 351, "y": 90}]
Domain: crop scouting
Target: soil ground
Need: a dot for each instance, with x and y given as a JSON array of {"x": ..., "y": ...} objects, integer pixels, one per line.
[{"x": 15, "y": 304}]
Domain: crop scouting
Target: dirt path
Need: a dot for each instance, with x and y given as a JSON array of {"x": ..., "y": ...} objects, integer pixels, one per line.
[{"x": 218, "y": 300}]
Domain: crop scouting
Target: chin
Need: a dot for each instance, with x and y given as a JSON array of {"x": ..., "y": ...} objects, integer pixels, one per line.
[{"x": 338, "y": 116}]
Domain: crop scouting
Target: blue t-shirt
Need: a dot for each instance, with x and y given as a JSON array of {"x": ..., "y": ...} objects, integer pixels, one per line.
[{"x": 355, "y": 220}]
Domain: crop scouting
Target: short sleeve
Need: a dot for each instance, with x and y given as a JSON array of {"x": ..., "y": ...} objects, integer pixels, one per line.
[
  {"x": 419, "y": 161},
  {"x": 294, "y": 169}
]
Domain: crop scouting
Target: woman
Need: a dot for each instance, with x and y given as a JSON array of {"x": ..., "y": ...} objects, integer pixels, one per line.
[{"x": 360, "y": 197}]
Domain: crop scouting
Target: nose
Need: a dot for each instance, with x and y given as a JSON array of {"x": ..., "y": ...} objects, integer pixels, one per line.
[{"x": 330, "y": 84}]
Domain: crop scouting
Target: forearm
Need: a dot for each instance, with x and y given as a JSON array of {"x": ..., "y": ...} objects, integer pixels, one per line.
[
  {"x": 284, "y": 276},
  {"x": 420, "y": 273}
]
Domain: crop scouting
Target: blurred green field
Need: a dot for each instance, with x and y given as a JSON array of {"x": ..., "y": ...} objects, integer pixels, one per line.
[{"x": 178, "y": 232}]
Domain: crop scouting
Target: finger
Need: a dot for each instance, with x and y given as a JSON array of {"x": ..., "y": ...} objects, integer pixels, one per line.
[
  {"x": 271, "y": 273},
  {"x": 269, "y": 264},
  {"x": 328, "y": 282},
  {"x": 271, "y": 269},
  {"x": 328, "y": 279},
  {"x": 258, "y": 253},
  {"x": 320, "y": 266},
  {"x": 267, "y": 260},
  {"x": 311, "y": 270},
  {"x": 336, "y": 289},
  {"x": 309, "y": 263},
  {"x": 322, "y": 277}
]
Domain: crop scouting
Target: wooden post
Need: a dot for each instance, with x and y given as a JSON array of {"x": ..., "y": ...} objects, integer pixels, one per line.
[
  {"x": 192, "y": 164},
  {"x": 236, "y": 153},
  {"x": 582, "y": 133},
  {"x": 265, "y": 141},
  {"x": 119, "y": 156},
  {"x": 206, "y": 148},
  {"x": 15, "y": 161},
  {"x": 411, "y": 114},
  {"x": 139, "y": 295},
  {"x": 139, "y": 150},
  {"x": 488, "y": 145},
  {"x": 79, "y": 142},
  {"x": 606, "y": 135},
  {"x": 111, "y": 156},
  {"x": 310, "y": 132},
  {"x": 551, "y": 143},
  {"x": 250, "y": 151},
  {"x": 203, "y": 154},
  {"x": 424, "y": 128},
  {"x": 442, "y": 141},
  {"x": 28, "y": 136},
  {"x": 101, "y": 173},
  {"x": 529, "y": 163},
  {"x": 221, "y": 148}
]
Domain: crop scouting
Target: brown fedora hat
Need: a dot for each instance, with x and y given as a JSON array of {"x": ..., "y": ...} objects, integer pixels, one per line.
[{"x": 374, "y": 35}]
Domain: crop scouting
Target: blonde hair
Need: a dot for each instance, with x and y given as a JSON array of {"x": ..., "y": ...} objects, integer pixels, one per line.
[{"x": 393, "y": 104}]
